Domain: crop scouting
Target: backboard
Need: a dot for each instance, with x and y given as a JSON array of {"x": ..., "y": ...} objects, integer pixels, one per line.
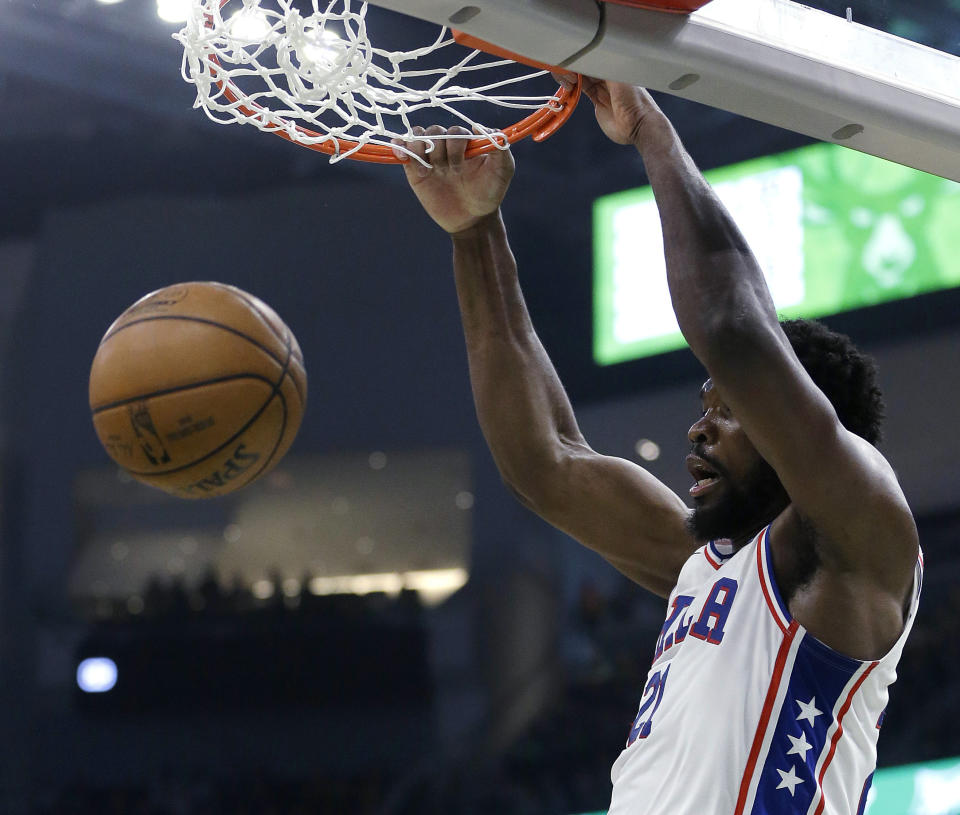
[{"x": 818, "y": 73}]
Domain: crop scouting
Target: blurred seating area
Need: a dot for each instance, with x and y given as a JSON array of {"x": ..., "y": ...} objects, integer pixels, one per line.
[
  {"x": 175, "y": 600},
  {"x": 561, "y": 763},
  {"x": 203, "y": 648},
  {"x": 240, "y": 794}
]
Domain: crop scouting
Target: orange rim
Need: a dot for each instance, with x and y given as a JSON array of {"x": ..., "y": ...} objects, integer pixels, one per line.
[{"x": 539, "y": 125}]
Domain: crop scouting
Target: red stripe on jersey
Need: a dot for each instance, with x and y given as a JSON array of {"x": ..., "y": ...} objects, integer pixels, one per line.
[
  {"x": 771, "y": 603},
  {"x": 765, "y": 714},
  {"x": 839, "y": 732},
  {"x": 710, "y": 560}
]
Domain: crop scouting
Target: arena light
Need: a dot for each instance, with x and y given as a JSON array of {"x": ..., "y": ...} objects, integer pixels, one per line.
[
  {"x": 323, "y": 49},
  {"x": 647, "y": 450},
  {"x": 250, "y": 24},
  {"x": 432, "y": 585},
  {"x": 96, "y": 675},
  {"x": 262, "y": 589},
  {"x": 387, "y": 582},
  {"x": 173, "y": 11}
]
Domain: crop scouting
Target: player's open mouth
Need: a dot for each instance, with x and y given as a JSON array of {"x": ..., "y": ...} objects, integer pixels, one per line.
[{"x": 704, "y": 477}]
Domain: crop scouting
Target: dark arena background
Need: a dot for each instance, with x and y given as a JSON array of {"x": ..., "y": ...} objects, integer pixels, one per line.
[{"x": 377, "y": 627}]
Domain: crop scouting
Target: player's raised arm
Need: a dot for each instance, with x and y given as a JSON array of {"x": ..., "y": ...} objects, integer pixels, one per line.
[
  {"x": 840, "y": 492},
  {"x": 608, "y": 504}
]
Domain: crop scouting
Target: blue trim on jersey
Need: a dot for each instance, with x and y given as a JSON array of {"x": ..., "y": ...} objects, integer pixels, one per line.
[
  {"x": 841, "y": 660},
  {"x": 817, "y": 681},
  {"x": 865, "y": 794},
  {"x": 712, "y": 545},
  {"x": 768, "y": 558}
]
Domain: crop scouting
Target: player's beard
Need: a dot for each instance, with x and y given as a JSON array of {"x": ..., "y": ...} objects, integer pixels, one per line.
[{"x": 743, "y": 508}]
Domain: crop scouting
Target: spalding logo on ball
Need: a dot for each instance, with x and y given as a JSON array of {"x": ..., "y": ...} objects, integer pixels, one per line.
[{"x": 198, "y": 389}]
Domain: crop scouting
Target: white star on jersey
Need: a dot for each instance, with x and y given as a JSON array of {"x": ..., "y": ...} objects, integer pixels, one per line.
[
  {"x": 799, "y": 746},
  {"x": 789, "y": 780},
  {"x": 808, "y": 710}
]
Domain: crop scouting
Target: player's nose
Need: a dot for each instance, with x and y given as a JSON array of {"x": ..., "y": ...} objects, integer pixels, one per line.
[{"x": 702, "y": 431}]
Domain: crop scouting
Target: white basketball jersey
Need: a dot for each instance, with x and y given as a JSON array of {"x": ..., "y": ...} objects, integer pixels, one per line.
[{"x": 743, "y": 711}]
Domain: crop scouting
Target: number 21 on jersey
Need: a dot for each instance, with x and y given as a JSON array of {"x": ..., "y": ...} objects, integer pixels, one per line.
[
  {"x": 652, "y": 696},
  {"x": 709, "y": 628}
]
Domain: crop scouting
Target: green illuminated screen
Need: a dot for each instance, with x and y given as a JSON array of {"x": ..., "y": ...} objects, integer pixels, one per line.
[
  {"x": 833, "y": 229},
  {"x": 914, "y": 789}
]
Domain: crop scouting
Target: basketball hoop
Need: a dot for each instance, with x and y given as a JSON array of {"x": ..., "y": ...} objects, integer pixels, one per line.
[{"x": 316, "y": 80}]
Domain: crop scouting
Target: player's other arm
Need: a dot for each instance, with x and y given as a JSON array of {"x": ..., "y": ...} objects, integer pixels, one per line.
[
  {"x": 609, "y": 504},
  {"x": 837, "y": 481}
]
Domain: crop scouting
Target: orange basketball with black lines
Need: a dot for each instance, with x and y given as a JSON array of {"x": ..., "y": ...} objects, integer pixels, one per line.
[{"x": 198, "y": 389}]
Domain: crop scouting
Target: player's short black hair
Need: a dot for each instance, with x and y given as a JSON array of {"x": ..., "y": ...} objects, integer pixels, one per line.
[{"x": 847, "y": 376}]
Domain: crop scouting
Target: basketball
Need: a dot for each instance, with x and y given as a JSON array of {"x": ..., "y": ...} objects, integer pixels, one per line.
[{"x": 197, "y": 389}]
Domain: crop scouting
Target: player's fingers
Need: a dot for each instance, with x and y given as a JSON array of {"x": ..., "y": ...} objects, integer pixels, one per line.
[
  {"x": 399, "y": 147},
  {"x": 418, "y": 165},
  {"x": 506, "y": 162},
  {"x": 595, "y": 89},
  {"x": 456, "y": 148},
  {"x": 566, "y": 79},
  {"x": 413, "y": 143},
  {"x": 501, "y": 160},
  {"x": 437, "y": 149},
  {"x": 409, "y": 163}
]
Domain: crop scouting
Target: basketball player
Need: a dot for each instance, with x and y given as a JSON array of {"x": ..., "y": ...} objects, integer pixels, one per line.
[{"x": 792, "y": 584}]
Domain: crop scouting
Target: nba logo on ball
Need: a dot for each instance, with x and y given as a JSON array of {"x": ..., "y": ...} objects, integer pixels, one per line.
[{"x": 197, "y": 389}]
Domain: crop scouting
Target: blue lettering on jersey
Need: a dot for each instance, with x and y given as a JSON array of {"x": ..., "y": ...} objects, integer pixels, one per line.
[
  {"x": 709, "y": 627},
  {"x": 674, "y": 628},
  {"x": 716, "y": 608}
]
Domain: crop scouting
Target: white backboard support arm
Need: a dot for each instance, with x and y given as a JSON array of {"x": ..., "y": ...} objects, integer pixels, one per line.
[{"x": 775, "y": 61}]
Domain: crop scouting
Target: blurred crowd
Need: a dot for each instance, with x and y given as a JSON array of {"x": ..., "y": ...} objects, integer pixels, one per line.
[
  {"x": 241, "y": 794},
  {"x": 176, "y": 600},
  {"x": 561, "y": 764}
]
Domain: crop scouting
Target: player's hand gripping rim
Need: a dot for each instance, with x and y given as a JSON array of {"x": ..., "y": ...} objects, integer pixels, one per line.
[{"x": 457, "y": 192}]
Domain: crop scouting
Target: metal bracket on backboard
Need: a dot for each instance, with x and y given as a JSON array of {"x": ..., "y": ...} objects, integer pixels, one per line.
[
  {"x": 776, "y": 61},
  {"x": 547, "y": 31},
  {"x": 792, "y": 66}
]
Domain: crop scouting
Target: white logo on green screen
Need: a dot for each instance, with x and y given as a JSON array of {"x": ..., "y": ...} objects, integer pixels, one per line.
[
  {"x": 936, "y": 792},
  {"x": 913, "y": 789},
  {"x": 833, "y": 230},
  {"x": 916, "y": 789}
]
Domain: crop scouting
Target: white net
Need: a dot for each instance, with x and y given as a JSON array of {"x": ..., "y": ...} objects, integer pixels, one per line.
[{"x": 309, "y": 72}]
